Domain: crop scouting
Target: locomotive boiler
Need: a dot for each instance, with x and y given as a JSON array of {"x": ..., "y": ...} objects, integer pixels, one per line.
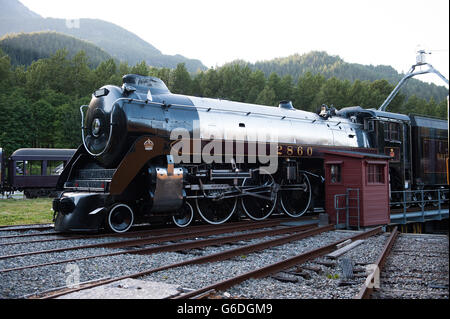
[{"x": 148, "y": 153}]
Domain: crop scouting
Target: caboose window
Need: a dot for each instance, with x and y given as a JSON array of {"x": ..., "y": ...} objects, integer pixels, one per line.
[
  {"x": 375, "y": 173},
  {"x": 335, "y": 173}
]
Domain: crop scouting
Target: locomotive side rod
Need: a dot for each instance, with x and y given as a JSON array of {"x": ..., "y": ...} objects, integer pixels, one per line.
[{"x": 238, "y": 191}]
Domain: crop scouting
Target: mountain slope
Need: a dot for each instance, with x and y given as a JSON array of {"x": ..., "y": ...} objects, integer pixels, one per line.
[
  {"x": 13, "y": 8},
  {"x": 120, "y": 43},
  {"x": 24, "y": 48},
  {"x": 333, "y": 66}
]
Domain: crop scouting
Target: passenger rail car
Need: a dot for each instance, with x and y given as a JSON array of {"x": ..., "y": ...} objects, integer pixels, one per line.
[
  {"x": 34, "y": 171},
  {"x": 148, "y": 153}
]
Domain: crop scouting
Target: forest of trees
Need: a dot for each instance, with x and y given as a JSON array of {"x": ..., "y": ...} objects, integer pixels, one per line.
[
  {"x": 24, "y": 48},
  {"x": 333, "y": 66},
  {"x": 39, "y": 104}
]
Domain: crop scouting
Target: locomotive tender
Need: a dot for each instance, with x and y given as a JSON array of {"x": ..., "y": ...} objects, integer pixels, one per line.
[{"x": 148, "y": 153}]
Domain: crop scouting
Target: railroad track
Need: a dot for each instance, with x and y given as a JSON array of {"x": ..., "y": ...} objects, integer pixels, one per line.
[
  {"x": 270, "y": 259},
  {"x": 301, "y": 232},
  {"x": 295, "y": 273},
  {"x": 26, "y": 227},
  {"x": 373, "y": 277},
  {"x": 416, "y": 268},
  {"x": 275, "y": 267},
  {"x": 16, "y": 231},
  {"x": 164, "y": 247},
  {"x": 136, "y": 233},
  {"x": 409, "y": 266},
  {"x": 141, "y": 243},
  {"x": 231, "y": 255}
]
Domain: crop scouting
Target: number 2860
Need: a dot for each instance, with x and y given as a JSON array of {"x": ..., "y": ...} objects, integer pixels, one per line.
[{"x": 290, "y": 150}]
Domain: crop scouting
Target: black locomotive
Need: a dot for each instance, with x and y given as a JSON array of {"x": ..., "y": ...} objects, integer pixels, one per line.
[
  {"x": 34, "y": 171},
  {"x": 148, "y": 153}
]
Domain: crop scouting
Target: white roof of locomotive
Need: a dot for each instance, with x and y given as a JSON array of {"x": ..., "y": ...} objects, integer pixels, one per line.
[{"x": 252, "y": 109}]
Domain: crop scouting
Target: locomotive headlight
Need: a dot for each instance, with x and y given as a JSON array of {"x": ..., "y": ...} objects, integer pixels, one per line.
[
  {"x": 96, "y": 125},
  {"x": 66, "y": 206}
]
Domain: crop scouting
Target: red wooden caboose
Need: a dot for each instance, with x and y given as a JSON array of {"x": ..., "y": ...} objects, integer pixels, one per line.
[{"x": 356, "y": 188}]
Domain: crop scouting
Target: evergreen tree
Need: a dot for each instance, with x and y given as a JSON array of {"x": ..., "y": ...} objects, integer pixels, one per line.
[
  {"x": 306, "y": 90},
  {"x": 140, "y": 69},
  {"x": 256, "y": 84},
  {"x": 180, "y": 81},
  {"x": 267, "y": 97}
]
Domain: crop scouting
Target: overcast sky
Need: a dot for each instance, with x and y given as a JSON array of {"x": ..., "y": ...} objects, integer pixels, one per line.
[{"x": 360, "y": 31}]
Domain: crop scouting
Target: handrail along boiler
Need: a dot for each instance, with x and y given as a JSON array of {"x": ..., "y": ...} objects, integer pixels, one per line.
[{"x": 125, "y": 170}]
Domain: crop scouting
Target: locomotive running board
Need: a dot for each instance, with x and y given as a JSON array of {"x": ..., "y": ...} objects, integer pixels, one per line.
[{"x": 144, "y": 149}]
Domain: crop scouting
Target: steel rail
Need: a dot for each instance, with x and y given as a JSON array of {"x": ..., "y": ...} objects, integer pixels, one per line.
[
  {"x": 151, "y": 240},
  {"x": 127, "y": 234},
  {"x": 276, "y": 267},
  {"x": 138, "y": 233},
  {"x": 177, "y": 246},
  {"x": 26, "y": 225},
  {"x": 210, "y": 258},
  {"x": 32, "y": 235},
  {"x": 87, "y": 235},
  {"x": 367, "y": 288}
]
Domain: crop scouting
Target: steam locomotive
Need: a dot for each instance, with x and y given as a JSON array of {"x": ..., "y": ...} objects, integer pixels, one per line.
[{"x": 148, "y": 154}]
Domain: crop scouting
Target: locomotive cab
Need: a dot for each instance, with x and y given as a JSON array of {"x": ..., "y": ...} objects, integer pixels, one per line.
[{"x": 389, "y": 132}]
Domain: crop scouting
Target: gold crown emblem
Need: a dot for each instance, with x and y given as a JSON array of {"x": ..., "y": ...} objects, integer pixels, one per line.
[{"x": 148, "y": 145}]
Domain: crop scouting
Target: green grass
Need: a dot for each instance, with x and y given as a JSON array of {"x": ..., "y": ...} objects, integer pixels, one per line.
[{"x": 25, "y": 211}]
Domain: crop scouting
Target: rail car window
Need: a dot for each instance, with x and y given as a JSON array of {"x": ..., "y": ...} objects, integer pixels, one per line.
[
  {"x": 33, "y": 168},
  {"x": 392, "y": 132},
  {"x": 335, "y": 173},
  {"x": 20, "y": 168},
  {"x": 375, "y": 173},
  {"x": 54, "y": 167}
]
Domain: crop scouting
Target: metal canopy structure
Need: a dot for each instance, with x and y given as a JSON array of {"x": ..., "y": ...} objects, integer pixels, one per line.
[{"x": 420, "y": 61}]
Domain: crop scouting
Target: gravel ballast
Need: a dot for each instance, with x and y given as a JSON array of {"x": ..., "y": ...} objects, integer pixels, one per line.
[{"x": 319, "y": 278}]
